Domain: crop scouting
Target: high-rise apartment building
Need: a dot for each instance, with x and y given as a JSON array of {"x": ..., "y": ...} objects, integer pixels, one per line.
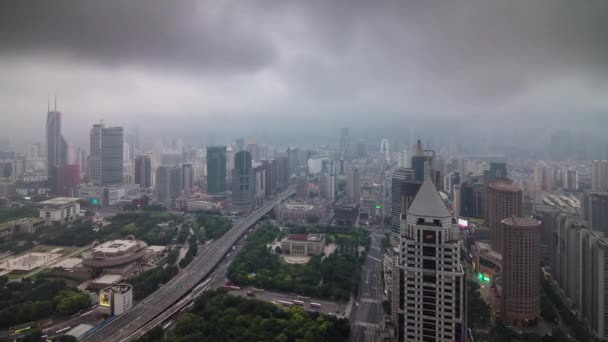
[
  {"x": 143, "y": 171},
  {"x": 504, "y": 201},
  {"x": 594, "y": 210},
  {"x": 56, "y": 146},
  {"x": 216, "y": 169},
  {"x": 521, "y": 270},
  {"x": 243, "y": 182},
  {"x": 543, "y": 176},
  {"x": 169, "y": 184},
  {"x": 433, "y": 275},
  {"x": 599, "y": 175},
  {"x": 353, "y": 186},
  {"x": 570, "y": 180},
  {"x": 106, "y": 162},
  {"x": 385, "y": 149}
]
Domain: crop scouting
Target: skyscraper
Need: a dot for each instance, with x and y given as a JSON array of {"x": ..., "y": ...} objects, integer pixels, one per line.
[
  {"x": 187, "y": 179},
  {"x": 594, "y": 210},
  {"x": 169, "y": 184},
  {"x": 143, "y": 171},
  {"x": 543, "y": 176},
  {"x": 521, "y": 270},
  {"x": 385, "y": 149},
  {"x": 401, "y": 195},
  {"x": 56, "y": 147},
  {"x": 599, "y": 175},
  {"x": 344, "y": 145},
  {"x": 433, "y": 275},
  {"x": 216, "y": 169},
  {"x": 242, "y": 182},
  {"x": 421, "y": 158},
  {"x": 570, "y": 179},
  {"x": 353, "y": 185},
  {"x": 106, "y": 162},
  {"x": 504, "y": 201}
]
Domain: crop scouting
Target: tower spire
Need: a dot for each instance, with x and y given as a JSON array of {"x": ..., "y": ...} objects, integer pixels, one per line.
[{"x": 55, "y": 102}]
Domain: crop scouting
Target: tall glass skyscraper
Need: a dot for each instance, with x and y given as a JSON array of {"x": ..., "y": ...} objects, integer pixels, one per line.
[{"x": 216, "y": 169}]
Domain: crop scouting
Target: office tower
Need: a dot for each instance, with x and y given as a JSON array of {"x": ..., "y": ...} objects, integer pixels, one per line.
[
  {"x": 18, "y": 166},
  {"x": 106, "y": 164},
  {"x": 229, "y": 162},
  {"x": 594, "y": 210},
  {"x": 599, "y": 175},
  {"x": 433, "y": 275},
  {"x": 457, "y": 201},
  {"x": 472, "y": 199},
  {"x": 187, "y": 179},
  {"x": 34, "y": 151},
  {"x": 543, "y": 176},
  {"x": 292, "y": 161},
  {"x": 404, "y": 160},
  {"x": 385, "y": 149},
  {"x": 302, "y": 188},
  {"x": 497, "y": 171},
  {"x": 570, "y": 180},
  {"x": 82, "y": 161},
  {"x": 259, "y": 183},
  {"x": 216, "y": 169},
  {"x": 345, "y": 145},
  {"x": 399, "y": 177},
  {"x": 252, "y": 147},
  {"x": 521, "y": 270},
  {"x": 243, "y": 185},
  {"x": 421, "y": 158},
  {"x": 361, "y": 149},
  {"x": 56, "y": 146},
  {"x": 330, "y": 185},
  {"x": 504, "y": 201},
  {"x": 240, "y": 145},
  {"x": 169, "y": 184},
  {"x": 353, "y": 185},
  {"x": 596, "y": 286},
  {"x": 271, "y": 174},
  {"x": 143, "y": 171},
  {"x": 282, "y": 172}
]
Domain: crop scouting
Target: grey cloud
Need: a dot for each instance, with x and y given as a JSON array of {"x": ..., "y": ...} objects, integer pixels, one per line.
[{"x": 155, "y": 33}]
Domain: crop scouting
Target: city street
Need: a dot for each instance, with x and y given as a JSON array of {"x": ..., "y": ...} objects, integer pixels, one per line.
[{"x": 367, "y": 316}]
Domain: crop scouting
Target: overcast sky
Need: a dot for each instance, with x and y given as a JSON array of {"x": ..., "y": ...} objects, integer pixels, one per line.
[{"x": 300, "y": 67}]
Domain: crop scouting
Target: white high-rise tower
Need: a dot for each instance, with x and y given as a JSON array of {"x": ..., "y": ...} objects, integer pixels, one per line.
[{"x": 434, "y": 285}]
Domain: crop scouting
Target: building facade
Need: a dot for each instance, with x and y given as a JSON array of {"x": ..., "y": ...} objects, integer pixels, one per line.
[
  {"x": 169, "y": 184},
  {"x": 216, "y": 169},
  {"x": 353, "y": 186},
  {"x": 599, "y": 175},
  {"x": 143, "y": 171},
  {"x": 243, "y": 182},
  {"x": 106, "y": 161},
  {"x": 56, "y": 145},
  {"x": 399, "y": 177},
  {"x": 303, "y": 244},
  {"x": 521, "y": 270},
  {"x": 433, "y": 295},
  {"x": 59, "y": 210},
  {"x": 504, "y": 201}
]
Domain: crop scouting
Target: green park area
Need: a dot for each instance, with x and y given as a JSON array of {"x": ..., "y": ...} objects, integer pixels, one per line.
[
  {"x": 30, "y": 300},
  {"x": 335, "y": 276},
  {"x": 217, "y": 316}
]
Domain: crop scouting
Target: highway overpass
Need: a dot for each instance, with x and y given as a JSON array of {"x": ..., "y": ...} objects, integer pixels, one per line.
[{"x": 127, "y": 326}]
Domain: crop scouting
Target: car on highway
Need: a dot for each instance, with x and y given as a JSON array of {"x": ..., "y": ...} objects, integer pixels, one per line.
[{"x": 250, "y": 294}]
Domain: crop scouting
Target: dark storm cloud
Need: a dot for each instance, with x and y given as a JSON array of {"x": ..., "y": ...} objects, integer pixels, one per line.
[
  {"x": 171, "y": 34},
  {"x": 284, "y": 61}
]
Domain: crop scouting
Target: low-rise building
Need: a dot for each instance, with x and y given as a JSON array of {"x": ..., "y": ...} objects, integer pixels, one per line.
[
  {"x": 290, "y": 212},
  {"x": 117, "y": 257},
  {"x": 117, "y": 298},
  {"x": 303, "y": 244},
  {"x": 24, "y": 225},
  {"x": 60, "y": 210}
]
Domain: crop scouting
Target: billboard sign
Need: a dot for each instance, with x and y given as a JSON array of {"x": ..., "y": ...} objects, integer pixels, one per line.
[
  {"x": 105, "y": 299},
  {"x": 462, "y": 223}
]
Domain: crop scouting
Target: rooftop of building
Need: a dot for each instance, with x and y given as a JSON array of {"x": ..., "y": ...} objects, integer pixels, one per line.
[
  {"x": 60, "y": 201},
  {"x": 113, "y": 247},
  {"x": 521, "y": 222},
  {"x": 299, "y": 207},
  {"x": 108, "y": 279},
  {"x": 428, "y": 202},
  {"x": 502, "y": 186},
  {"x": 305, "y": 237},
  {"x": 68, "y": 263},
  {"x": 119, "y": 288}
]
